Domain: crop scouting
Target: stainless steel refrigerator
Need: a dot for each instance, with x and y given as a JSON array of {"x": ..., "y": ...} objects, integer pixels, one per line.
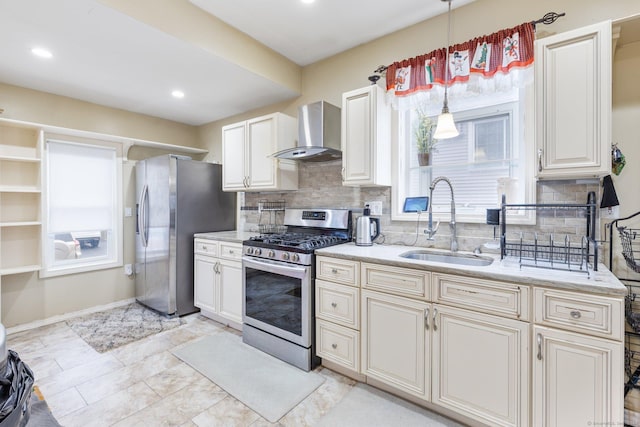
[{"x": 176, "y": 197}]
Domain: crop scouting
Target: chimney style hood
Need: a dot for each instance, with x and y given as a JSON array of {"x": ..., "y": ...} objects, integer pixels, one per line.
[{"x": 318, "y": 134}]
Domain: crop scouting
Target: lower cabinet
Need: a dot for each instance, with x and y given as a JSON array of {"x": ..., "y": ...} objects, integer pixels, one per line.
[
  {"x": 577, "y": 379},
  {"x": 218, "y": 282},
  {"x": 480, "y": 366},
  {"x": 395, "y": 342}
]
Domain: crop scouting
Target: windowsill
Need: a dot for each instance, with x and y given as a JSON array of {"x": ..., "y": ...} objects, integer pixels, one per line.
[{"x": 78, "y": 268}]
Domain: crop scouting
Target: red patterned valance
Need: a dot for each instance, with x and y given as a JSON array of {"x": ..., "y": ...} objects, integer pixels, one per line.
[{"x": 472, "y": 63}]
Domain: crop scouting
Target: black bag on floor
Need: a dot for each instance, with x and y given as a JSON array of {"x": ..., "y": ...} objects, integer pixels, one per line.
[{"x": 16, "y": 385}]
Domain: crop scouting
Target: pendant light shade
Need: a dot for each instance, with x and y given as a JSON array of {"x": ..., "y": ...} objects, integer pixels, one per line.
[{"x": 446, "y": 128}]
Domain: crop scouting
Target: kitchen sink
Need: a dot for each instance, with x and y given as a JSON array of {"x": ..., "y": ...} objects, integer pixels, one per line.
[{"x": 449, "y": 258}]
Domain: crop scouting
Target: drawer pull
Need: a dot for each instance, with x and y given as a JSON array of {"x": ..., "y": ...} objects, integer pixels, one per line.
[
  {"x": 204, "y": 248},
  {"x": 575, "y": 314},
  {"x": 334, "y": 270},
  {"x": 435, "y": 313},
  {"x": 231, "y": 251},
  {"x": 539, "y": 339},
  {"x": 426, "y": 319},
  {"x": 334, "y": 305},
  {"x": 334, "y": 346}
]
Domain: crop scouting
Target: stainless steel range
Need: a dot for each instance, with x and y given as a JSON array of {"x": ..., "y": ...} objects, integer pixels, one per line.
[{"x": 279, "y": 283}]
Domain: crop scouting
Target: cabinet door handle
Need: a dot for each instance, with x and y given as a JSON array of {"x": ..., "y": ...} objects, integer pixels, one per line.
[
  {"x": 342, "y": 173},
  {"x": 435, "y": 313},
  {"x": 575, "y": 314},
  {"x": 334, "y": 305},
  {"x": 426, "y": 319},
  {"x": 539, "y": 159},
  {"x": 539, "y": 339},
  {"x": 216, "y": 267}
]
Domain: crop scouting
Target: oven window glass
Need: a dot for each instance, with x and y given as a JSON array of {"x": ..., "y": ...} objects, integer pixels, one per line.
[{"x": 274, "y": 299}]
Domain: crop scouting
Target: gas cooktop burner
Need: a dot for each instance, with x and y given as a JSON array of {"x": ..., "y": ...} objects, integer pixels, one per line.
[{"x": 298, "y": 240}]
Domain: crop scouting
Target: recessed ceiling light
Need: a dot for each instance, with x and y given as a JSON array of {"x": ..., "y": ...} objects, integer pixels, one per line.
[
  {"x": 307, "y": 1},
  {"x": 41, "y": 52},
  {"x": 177, "y": 94}
]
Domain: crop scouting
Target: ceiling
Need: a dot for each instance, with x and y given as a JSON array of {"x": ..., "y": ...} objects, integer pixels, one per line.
[{"x": 106, "y": 55}]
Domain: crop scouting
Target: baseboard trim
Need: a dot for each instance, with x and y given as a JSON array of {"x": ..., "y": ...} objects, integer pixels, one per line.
[{"x": 62, "y": 317}]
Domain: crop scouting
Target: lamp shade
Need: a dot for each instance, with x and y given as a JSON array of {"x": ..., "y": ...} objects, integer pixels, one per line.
[
  {"x": 609, "y": 196},
  {"x": 445, "y": 128}
]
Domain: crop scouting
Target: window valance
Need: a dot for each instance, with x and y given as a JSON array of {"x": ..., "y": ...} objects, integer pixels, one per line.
[{"x": 492, "y": 63}]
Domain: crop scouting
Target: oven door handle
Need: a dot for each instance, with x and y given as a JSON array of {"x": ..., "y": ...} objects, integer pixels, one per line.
[{"x": 275, "y": 267}]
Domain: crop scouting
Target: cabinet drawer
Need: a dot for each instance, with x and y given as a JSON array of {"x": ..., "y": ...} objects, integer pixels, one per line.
[
  {"x": 396, "y": 280},
  {"x": 204, "y": 246},
  {"x": 338, "y": 270},
  {"x": 231, "y": 251},
  {"x": 338, "y": 303},
  {"x": 488, "y": 296},
  {"x": 591, "y": 314},
  {"x": 338, "y": 344}
]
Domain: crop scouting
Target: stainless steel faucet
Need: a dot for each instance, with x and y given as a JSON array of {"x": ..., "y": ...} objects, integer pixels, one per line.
[{"x": 431, "y": 231}]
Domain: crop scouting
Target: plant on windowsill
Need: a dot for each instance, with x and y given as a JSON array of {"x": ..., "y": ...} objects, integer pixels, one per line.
[{"x": 425, "y": 143}]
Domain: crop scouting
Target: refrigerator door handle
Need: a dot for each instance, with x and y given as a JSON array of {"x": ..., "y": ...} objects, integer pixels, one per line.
[{"x": 142, "y": 215}]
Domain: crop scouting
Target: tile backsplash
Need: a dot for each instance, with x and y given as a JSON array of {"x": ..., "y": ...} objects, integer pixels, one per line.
[{"x": 320, "y": 185}]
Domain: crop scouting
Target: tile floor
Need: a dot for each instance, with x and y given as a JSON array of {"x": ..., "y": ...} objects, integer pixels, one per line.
[{"x": 144, "y": 384}]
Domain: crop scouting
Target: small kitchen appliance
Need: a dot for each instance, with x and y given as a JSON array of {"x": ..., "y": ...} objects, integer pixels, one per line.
[
  {"x": 278, "y": 275},
  {"x": 367, "y": 228}
]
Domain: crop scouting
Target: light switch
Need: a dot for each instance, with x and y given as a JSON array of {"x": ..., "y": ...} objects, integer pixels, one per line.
[{"x": 127, "y": 212}]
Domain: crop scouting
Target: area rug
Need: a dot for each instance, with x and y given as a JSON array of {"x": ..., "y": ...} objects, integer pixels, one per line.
[
  {"x": 365, "y": 406},
  {"x": 265, "y": 384},
  {"x": 113, "y": 328}
]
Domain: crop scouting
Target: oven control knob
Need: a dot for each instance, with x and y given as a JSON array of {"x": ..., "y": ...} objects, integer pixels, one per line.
[
  {"x": 295, "y": 257},
  {"x": 249, "y": 251},
  {"x": 285, "y": 256},
  {"x": 272, "y": 254},
  {"x": 257, "y": 251}
]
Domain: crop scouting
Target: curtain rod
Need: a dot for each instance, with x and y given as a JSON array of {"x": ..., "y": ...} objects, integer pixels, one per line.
[{"x": 548, "y": 19}]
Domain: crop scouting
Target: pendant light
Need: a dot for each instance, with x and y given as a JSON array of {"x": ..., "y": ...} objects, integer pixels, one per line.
[{"x": 446, "y": 128}]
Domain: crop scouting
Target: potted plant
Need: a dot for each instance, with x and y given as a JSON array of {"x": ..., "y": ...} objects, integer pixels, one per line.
[{"x": 423, "y": 133}]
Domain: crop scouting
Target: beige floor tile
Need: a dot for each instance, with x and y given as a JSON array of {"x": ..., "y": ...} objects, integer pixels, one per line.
[
  {"x": 64, "y": 380},
  {"x": 64, "y": 403},
  {"x": 178, "y": 408},
  {"x": 227, "y": 413},
  {"x": 112, "y": 409},
  {"x": 105, "y": 385},
  {"x": 139, "y": 350},
  {"x": 173, "y": 379}
]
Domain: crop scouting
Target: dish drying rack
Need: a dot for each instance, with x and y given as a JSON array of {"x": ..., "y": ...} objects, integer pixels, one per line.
[
  {"x": 579, "y": 254},
  {"x": 630, "y": 242},
  {"x": 271, "y": 217}
]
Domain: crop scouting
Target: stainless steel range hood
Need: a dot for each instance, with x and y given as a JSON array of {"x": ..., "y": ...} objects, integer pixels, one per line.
[{"x": 318, "y": 134}]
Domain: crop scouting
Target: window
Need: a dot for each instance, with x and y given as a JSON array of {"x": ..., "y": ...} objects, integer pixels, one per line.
[
  {"x": 83, "y": 200},
  {"x": 490, "y": 157}
]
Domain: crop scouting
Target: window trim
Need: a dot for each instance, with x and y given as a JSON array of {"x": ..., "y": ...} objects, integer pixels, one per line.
[
  {"x": 525, "y": 110},
  {"x": 47, "y": 268}
]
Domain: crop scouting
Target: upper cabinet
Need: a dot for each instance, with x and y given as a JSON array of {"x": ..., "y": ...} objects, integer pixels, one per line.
[
  {"x": 573, "y": 103},
  {"x": 246, "y": 152},
  {"x": 366, "y": 138}
]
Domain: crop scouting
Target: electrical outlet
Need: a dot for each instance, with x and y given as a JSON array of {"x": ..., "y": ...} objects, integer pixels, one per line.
[
  {"x": 128, "y": 269},
  {"x": 376, "y": 207}
]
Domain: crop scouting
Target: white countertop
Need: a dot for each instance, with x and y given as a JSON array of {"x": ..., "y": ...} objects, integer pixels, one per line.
[
  {"x": 600, "y": 282},
  {"x": 235, "y": 236}
]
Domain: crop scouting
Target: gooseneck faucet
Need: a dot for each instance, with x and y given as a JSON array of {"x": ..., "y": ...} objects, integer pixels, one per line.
[{"x": 431, "y": 231}]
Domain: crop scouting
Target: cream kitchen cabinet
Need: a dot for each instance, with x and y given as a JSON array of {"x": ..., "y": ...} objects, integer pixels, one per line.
[
  {"x": 573, "y": 103},
  {"x": 218, "y": 280},
  {"x": 366, "y": 138},
  {"x": 246, "y": 154},
  {"x": 480, "y": 366},
  {"x": 577, "y": 375},
  {"x": 396, "y": 343}
]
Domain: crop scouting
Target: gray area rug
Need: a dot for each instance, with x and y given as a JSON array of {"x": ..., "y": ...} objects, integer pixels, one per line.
[
  {"x": 265, "y": 384},
  {"x": 365, "y": 406},
  {"x": 113, "y": 328}
]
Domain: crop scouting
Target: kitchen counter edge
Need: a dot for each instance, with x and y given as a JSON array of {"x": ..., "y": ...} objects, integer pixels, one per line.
[
  {"x": 601, "y": 282},
  {"x": 234, "y": 236}
]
